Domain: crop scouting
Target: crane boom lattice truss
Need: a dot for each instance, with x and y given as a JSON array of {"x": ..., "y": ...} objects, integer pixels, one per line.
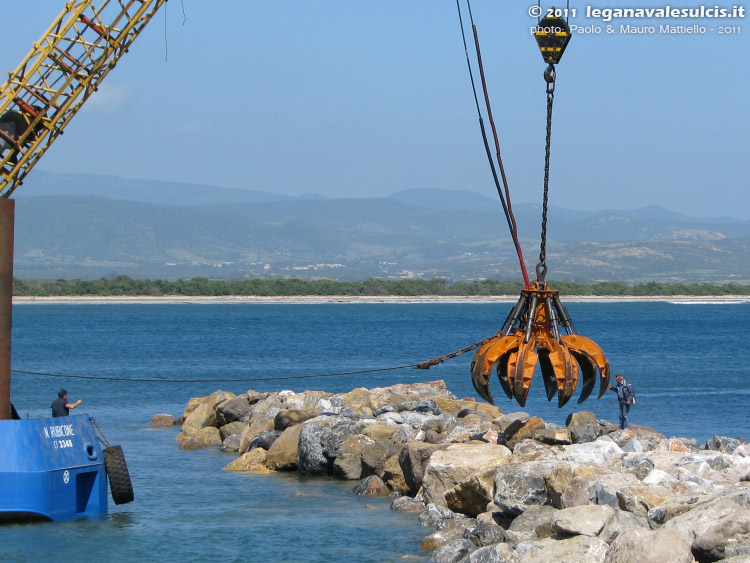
[{"x": 59, "y": 74}]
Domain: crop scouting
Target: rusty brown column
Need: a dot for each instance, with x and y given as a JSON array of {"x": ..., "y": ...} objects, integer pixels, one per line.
[{"x": 7, "y": 213}]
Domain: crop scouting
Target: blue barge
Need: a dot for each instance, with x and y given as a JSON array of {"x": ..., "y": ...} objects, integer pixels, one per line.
[{"x": 51, "y": 469}]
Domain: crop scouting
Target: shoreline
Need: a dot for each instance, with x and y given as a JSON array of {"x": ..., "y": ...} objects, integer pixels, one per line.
[{"x": 318, "y": 299}]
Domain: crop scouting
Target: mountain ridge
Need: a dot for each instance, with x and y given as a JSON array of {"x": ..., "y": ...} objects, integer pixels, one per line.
[{"x": 419, "y": 233}]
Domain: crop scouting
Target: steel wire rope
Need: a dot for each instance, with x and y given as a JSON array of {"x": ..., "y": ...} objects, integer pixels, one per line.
[{"x": 505, "y": 200}]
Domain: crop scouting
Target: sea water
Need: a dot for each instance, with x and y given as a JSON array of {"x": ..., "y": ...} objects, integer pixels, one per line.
[{"x": 688, "y": 364}]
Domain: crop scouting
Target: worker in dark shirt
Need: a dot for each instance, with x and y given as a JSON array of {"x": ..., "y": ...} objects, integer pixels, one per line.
[
  {"x": 61, "y": 406},
  {"x": 625, "y": 397}
]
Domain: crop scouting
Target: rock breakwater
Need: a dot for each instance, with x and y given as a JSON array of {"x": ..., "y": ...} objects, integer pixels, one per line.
[{"x": 495, "y": 486}]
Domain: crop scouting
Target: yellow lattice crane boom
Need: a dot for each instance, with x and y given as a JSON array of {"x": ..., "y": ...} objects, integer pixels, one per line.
[
  {"x": 57, "y": 76},
  {"x": 39, "y": 99}
]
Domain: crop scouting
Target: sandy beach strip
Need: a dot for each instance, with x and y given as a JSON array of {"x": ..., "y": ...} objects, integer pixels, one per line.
[{"x": 311, "y": 299}]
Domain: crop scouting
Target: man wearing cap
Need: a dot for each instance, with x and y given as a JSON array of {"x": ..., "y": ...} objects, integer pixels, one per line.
[
  {"x": 625, "y": 396},
  {"x": 61, "y": 406}
]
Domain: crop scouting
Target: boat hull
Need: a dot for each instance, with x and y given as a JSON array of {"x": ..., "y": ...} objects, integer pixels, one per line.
[{"x": 51, "y": 469}]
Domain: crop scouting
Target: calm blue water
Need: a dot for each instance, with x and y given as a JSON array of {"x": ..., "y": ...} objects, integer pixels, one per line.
[{"x": 689, "y": 365}]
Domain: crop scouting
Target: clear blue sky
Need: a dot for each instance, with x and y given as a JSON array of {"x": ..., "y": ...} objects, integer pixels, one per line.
[{"x": 363, "y": 98}]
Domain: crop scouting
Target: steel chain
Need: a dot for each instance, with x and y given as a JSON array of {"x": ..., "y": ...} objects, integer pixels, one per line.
[
  {"x": 541, "y": 268},
  {"x": 103, "y": 438}
]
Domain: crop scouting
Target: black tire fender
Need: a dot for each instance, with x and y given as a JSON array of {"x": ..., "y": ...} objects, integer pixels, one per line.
[{"x": 119, "y": 478}]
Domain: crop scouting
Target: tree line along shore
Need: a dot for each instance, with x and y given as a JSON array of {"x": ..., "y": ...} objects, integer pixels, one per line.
[{"x": 126, "y": 286}]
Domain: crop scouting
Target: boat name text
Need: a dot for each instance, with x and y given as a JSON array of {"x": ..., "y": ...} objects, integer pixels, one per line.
[{"x": 59, "y": 431}]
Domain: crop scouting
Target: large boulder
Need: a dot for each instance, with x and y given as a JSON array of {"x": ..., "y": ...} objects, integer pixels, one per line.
[
  {"x": 518, "y": 486},
  {"x": 264, "y": 440},
  {"x": 553, "y": 436},
  {"x": 557, "y": 481},
  {"x": 232, "y": 428},
  {"x": 572, "y": 550},
  {"x": 641, "y": 498},
  {"x": 452, "y": 552},
  {"x": 650, "y": 439},
  {"x": 199, "y": 417},
  {"x": 495, "y": 553},
  {"x": 233, "y": 410},
  {"x": 313, "y": 457},
  {"x": 203, "y": 411},
  {"x": 380, "y": 431},
  {"x": 637, "y": 464},
  {"x": 359, "y": 401},
  {"x": 413, "y": 459},
  {"x": 471, "y": 497},
  {"x": 407, "y": 504},
  {"x": 435, "y": 516},
  {"x": 620, "y": 521},
  {"x": 486, "y": 532},
  {"x": 531, "y": 450},
  {"x": 597, "y": 452},
  {"x": 723, "y": 444},
  {"x": 320, "y": 441},
  {"x": 250, "y": 462},
  {"x": 163, "y": 420},
  {"x": 348, "y": 462},
  {"x": 282, "y": 456},
  {"x": 607, "y": 488},
  {"x": 531, "y": 521},
  {"x": 425, "y": 406},
  {"x": 726, "y": 538},
  {"x": 209, "y": 436},
  {"x": 621, "y": 437},
  {"x": 231, "y": 443},
  {"x": 393, "y": 475},
  {"x": 188, "y": 443},
  {"x": 579, "y": 491},
  {"x": 285, "y": 419},
  {"x": 258, "y": 425},
  {"x": 526, "y": 431},
  {"x": 732, "y": 505},
  {"x": 585, "y": 520},
  {"x": 454, "y": 530},
  {"x": 375, "y": 454},
  {"x": 455, "y": 406},
  {"x": 650, "y": 546},
  {"x": 193, "y": 404},
  {"x": 370, "y": 486},
  {"x": 583, "y": 427},
  {"x": 455, "y": 464}
]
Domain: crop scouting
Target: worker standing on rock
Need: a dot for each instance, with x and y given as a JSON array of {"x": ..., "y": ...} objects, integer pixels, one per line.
[{"x": 625, "y": 396}]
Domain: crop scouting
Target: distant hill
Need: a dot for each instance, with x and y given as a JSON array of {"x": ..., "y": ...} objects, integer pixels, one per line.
[{"x": 223, "y": 233}]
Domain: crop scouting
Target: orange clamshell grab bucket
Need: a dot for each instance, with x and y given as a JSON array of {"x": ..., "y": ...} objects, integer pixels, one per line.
[{"x": 531, "y": 335}]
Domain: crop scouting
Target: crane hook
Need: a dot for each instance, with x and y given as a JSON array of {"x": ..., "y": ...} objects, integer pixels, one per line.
[{"x": 549, "y": 77}]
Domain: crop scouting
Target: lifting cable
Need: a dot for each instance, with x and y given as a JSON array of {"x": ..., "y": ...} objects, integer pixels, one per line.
[{"x": 504, "y": 199}]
